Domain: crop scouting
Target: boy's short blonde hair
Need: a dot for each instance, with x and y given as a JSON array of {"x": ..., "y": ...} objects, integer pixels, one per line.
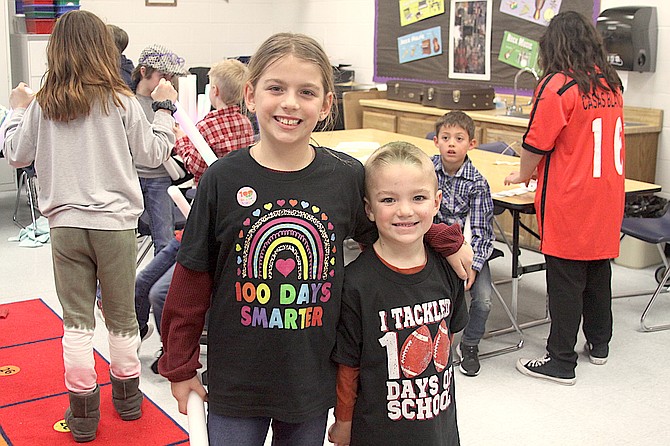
[
  {"x": 398, "y": 152},
  {"x": 229, "y": 76}
]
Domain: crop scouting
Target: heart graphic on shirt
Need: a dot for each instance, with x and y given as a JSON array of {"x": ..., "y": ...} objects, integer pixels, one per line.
[
  {"x": 246, "y": 222},
  {"x": 332, "y": 260},
  {"x": 281, "y": 202},
  {"x": 332, "y": 237},
  {"x": 324, "y": 217},
  {"x": 330, "y": 226},
  {"x": 315, "y": 209},
  {"x": 256, "y": 213},
  {"x": 241, "y": 234},
  {"x": 304, "y": 204},
  {"x": 239, "y": 260},
  {"x": 332, "y": 273},
  {"x": 293, "y": 202},
  {"x": 267, "y": 206},
  {"x": 285, "y": 266},
  {"x": 238, "y": 248}
]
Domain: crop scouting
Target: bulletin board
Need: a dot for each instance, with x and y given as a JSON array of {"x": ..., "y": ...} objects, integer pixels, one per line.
[{"x": 478, "y": 42}]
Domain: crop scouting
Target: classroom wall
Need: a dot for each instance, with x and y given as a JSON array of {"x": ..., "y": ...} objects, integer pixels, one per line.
[
  {"x": 4, "y": 57},
  {"x": 204, "y": 31},
  {"x": 653, "y": 89}
]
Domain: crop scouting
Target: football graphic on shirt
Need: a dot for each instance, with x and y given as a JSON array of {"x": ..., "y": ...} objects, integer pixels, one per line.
[
  {"x": 441, "y": 347},
  {"x": 416, "y": 352}
]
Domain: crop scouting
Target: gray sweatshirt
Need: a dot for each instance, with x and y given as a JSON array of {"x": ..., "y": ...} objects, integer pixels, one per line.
[
  {"x": 144, "y": 171},
  {"x": 86, "y": 167}
]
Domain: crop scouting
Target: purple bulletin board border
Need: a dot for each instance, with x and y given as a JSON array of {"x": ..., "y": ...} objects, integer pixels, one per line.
[{"x": 502, "y": 90}]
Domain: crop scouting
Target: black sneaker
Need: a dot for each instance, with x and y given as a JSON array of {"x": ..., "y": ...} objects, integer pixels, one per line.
[
  {"x": 545, "y": 368},
  {"x": 469, "y": 354},
  {"x": 154, "y": 365},
  {"x": 597, "y": 353}
]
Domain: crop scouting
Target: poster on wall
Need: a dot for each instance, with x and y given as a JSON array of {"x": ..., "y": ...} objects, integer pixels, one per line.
[
  {"x": 536, "y": 11},
  {"x": 519, "y": 51},
  {"x": 412, "y": 11},
  {"x": 470, "y": 39},
  {"x": 419, "y": 45}
]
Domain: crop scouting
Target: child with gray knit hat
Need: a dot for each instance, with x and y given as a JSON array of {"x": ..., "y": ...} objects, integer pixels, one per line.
[{"x": 162, "y": 59}]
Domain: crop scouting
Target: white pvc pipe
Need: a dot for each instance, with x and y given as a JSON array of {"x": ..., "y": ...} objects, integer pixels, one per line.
[
  {"x": 179, "y": 200},
  {"x": 197, "y": 423},
  {"x": 173, "y": 169},
  {"x": 187, "y": 125}
]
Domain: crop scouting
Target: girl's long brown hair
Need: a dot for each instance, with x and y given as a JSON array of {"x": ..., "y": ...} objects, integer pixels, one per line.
[
  {"x": 572, "y": 46},
  {"x": 83, "y": 68}
]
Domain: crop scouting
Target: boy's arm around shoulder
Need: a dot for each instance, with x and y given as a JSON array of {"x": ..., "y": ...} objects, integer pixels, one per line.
[{"x": 448, "y": 241}]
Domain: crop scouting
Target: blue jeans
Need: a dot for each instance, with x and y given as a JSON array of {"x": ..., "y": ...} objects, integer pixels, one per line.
[
  {"x": 252, "y": 431},
  {"x": 158, "y": 293},
  {"x": 480, "y": 307},
  {"x": 147, "y": 278},
  {"x": 159, "y": 208}
]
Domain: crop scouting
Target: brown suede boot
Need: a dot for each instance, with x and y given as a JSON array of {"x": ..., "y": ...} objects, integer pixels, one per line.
[
  {"x": 127, "y": 398},
  {"x": 83, "y": 415}
]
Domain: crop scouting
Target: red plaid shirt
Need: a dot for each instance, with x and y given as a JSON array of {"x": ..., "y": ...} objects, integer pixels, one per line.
[{"x": 224, "y": 130}]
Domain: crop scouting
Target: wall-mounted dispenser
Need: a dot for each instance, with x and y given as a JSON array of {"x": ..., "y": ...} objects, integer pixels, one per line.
[{"x": 630, "y": 34}]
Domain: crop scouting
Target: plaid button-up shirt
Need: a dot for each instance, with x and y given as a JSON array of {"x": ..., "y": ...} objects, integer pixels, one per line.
[
  {"x": 465, "y": 193},
  {"x": 224, "y": 130}
]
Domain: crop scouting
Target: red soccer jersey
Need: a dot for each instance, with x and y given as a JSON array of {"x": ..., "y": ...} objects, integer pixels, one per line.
[{"x": 580, "y": 195}]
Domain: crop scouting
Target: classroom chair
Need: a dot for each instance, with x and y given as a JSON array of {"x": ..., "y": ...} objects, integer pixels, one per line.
[
  {"x": 515, "y": 325},
  {"x": 496, "y": 253},
  {"x": 27, "y": 179},
  {"x": 656, "y": 231}
]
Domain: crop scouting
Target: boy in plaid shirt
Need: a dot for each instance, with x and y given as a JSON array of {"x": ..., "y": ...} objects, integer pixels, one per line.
[
  {"x": 466, "y": 193},
  {"x": 226, "y": 128}
]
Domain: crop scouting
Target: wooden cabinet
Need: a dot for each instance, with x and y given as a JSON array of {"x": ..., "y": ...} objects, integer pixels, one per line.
[
  {"x": 380, "y": 121},
  {"x": 418, "y": 127},
  {"x": 641, "y": 129},
  {"x": 493, "y": 132}
]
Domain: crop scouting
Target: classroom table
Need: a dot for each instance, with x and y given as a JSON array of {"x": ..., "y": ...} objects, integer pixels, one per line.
[{"x": 360, "y": 143}]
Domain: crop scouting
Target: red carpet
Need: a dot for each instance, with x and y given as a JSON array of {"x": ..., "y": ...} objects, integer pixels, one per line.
[{"x": 33, "y": 397}]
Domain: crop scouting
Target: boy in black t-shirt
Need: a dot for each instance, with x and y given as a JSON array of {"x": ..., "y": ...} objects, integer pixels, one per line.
[{"x": 401, "y": 305}]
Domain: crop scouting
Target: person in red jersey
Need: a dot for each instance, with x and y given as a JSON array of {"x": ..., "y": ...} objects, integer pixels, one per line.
[{"x": 575, "y": 140}]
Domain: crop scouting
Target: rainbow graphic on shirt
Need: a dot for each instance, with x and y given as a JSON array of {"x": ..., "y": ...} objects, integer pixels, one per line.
[{"x": 285, "y": 257}]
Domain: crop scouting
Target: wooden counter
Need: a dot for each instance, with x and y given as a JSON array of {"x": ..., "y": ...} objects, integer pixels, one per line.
[{"x": 642, "y": 127}]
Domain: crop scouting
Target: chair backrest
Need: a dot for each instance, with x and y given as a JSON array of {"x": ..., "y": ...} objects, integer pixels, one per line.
[
  {"x": 202, "y": 79},
  {"x": 498, "y": 147}
]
